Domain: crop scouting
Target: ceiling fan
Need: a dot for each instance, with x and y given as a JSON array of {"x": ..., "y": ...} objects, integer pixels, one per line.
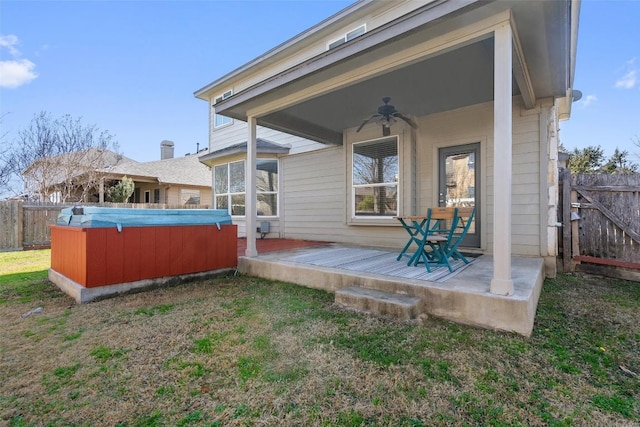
[{"x": 386, "y": 116}]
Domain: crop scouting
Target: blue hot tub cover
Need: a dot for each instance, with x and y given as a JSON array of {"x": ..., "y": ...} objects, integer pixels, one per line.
[{"x": 101, "y": 217}]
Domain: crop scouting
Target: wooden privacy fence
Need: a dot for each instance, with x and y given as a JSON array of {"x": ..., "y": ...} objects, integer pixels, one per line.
[
  {"x": 25, "y": 225},
  {"x": 601, "y": 224}
]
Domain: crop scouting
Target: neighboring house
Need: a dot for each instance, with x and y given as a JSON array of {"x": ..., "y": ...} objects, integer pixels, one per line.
[
  {"x": 70, "y": 177},
  {"x": 485, "y": 84},
  {"x": 85, "y": 177},
  {"x": 170, "y": 180}
]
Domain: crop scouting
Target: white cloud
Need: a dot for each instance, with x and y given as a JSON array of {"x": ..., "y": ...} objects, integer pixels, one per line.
[
  {"x": 588, "y": 100},
  {"x": 10, "y": 42},
  {"x": 630, "y": 78},
  {"x": 15, "y": 72},
  {"x": 628, "y": 81}
]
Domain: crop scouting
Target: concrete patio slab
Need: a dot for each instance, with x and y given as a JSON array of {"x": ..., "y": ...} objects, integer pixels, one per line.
[{"x": 464, "y": 298}]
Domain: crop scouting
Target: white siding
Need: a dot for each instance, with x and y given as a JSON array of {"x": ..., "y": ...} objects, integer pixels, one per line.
[
  {"x": 315, "y": 197},
  {"x": 298, "y": 145},
  {"x": 237, "y": 132}
]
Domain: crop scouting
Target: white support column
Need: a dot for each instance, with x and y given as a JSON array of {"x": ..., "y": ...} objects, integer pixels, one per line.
[
  {"x": 250, "y": 189},
  {"x": 502, "y": 283},
  {"x": 101, "y": 191}
]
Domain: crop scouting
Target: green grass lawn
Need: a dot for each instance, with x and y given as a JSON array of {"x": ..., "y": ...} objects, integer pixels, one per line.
[
  {"x": 23, "y": 274},
  {"x": 241, "y": 351}
]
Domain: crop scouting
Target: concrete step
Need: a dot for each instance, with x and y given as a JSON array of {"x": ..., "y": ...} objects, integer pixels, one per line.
[{"x": 403, "y": 306}]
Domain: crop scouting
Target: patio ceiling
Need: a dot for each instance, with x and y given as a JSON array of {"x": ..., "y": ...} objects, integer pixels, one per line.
[
  {"x": 457, "y": 78},
  {"x": 433, "y": 80}
]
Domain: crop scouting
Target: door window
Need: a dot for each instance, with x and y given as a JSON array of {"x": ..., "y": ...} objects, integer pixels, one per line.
[{"x": 459, "y": 183}]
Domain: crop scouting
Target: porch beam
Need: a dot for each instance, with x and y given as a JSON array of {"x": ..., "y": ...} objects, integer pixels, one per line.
[
  {"x": 520, "y": 69},
  {"x": 502, "y": 283},
  {"x": 250, "y": 188},
  {"x": 289, "y": 124}
]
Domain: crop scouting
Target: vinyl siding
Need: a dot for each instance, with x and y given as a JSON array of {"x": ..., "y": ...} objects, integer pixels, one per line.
[
  {"x": 315, "y": 188},
  {"x": 315, "y": 195},
  {"x": 237, "y": 133}
]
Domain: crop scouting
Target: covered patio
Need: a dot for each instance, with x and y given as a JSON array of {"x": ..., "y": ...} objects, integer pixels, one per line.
[{"x": 489, "y": 80}]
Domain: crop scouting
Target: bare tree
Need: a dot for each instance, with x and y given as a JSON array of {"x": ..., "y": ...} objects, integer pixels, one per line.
[
  {"x": 6, "y": 167},
  {"x": 62, "y": 157}
]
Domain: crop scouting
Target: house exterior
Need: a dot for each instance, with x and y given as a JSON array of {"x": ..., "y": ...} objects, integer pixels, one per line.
[
  {"x": 484, "y": 82},
  {"x": 84, "y": 177},
  {"x": 171, "y": 180},
  {"x": 73, "y": 176}
]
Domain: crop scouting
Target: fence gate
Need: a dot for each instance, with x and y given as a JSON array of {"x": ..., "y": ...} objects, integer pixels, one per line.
[{"x": 601, "y": 224}]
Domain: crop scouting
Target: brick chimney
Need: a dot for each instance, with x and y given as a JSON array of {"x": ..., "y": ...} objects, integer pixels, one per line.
[{"x": 166, "y": 150}]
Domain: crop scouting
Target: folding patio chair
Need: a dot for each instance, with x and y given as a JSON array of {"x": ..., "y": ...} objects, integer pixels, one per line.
[
  {"x": 448, "y": 248},
  {"x": 437, "y": 232},
  {"x": 465, "y": 218},
  {"x": 414, "y": 225}
]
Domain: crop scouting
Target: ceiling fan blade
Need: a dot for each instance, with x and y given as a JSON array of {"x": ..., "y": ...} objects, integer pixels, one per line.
[
  {"x": 367, "y": 121},
  {"x": 406, "y": 119}
]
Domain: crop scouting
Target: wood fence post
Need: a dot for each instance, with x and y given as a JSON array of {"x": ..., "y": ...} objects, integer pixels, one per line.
[
  {"x": 575, "y": 228},
  {"x": 20, "y": 224},
  {"x": 567, "y": 265}
]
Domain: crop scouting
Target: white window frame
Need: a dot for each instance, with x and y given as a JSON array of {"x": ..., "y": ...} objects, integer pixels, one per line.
[
  {"x": 354, "y": 219},
  {"x": 224, "y": 120},
  {"x": 277, "y": 192},
  {"x": 347, "y": 36},
  {"x": 229, "y": 194}
]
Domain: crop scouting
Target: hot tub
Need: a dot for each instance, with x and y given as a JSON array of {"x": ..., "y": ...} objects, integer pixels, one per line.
[{"x": 96, "y": 251}]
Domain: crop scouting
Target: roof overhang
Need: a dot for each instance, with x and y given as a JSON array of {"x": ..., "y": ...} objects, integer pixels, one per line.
[
  {"x": 436, "y": 58},
  {"x": 262, "y": 147}
]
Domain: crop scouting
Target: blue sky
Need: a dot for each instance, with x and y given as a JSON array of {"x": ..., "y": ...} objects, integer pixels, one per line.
[
  {"x": 608, "y": 75},
  {"x": 131, "y": 67}
]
